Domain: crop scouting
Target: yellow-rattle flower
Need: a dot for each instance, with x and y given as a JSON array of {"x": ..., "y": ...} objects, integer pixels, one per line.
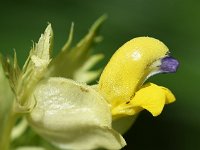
[
  {"x": 74, "y": 115},
  {"x": 121, "y": 82}
]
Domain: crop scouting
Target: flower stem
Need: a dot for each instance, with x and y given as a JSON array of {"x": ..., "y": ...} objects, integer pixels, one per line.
[{"x": 5, "y": 136}]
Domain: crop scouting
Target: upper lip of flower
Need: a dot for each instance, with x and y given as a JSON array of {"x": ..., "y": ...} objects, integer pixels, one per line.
[{"x": 125, "y": 91}]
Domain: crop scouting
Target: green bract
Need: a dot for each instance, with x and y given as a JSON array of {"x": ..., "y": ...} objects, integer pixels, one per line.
[
  {"x": 73, "y": 116},
  {"x": 69, "y": 114}
]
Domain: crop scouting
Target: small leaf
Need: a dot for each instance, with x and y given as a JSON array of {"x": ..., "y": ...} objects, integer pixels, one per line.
[
  {"x": 34, "y": 67},
  {"x": 84, "y": 73},
  {"x": 67, "y": 45},
  {"x": 24, "y": 81},
  {"x": 19, "y": 129},
  {"x": 69, "y": 60},
  {"x": 11, "y": 70}
]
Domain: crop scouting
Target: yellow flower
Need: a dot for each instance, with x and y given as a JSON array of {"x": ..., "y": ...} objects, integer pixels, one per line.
[
  {"x": 122, "y": 79},
  {"x": 74, "y": 115}
]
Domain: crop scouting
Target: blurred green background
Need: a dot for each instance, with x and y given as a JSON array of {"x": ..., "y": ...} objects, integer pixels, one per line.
[{"x": 175, "y": 22}]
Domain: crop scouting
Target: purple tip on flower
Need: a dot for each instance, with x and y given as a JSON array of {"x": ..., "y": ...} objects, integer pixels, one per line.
[{"x": 169, "y": 65}]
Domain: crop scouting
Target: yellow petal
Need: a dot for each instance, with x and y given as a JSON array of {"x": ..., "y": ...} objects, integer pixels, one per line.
[
  {"x": 129, "y": 67},
  {"x": 170, "y": 97},
  {"x": 150, "y": 97}
]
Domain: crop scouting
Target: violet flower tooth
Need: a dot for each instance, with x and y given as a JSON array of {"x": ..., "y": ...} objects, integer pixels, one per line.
[{"x": 169, "y": 65}]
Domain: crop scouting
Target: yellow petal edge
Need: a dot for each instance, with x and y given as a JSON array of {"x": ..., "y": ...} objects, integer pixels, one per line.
[{"x": 150, "y": 97}]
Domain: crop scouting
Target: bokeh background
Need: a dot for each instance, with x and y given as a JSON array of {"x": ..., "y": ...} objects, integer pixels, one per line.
[{"x": 175, "y": 22}]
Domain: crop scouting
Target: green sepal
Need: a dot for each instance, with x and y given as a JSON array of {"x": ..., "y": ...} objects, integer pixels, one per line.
[
  {"x": 70, "y": 60},
  {"x": 24, "y": 81}
]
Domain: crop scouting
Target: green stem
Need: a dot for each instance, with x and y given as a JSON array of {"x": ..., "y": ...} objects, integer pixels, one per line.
[{"x": 5, "y": 136}]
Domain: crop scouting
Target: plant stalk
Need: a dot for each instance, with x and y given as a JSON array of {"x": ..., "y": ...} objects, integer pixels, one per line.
[{"x": 5, "y": 136}]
